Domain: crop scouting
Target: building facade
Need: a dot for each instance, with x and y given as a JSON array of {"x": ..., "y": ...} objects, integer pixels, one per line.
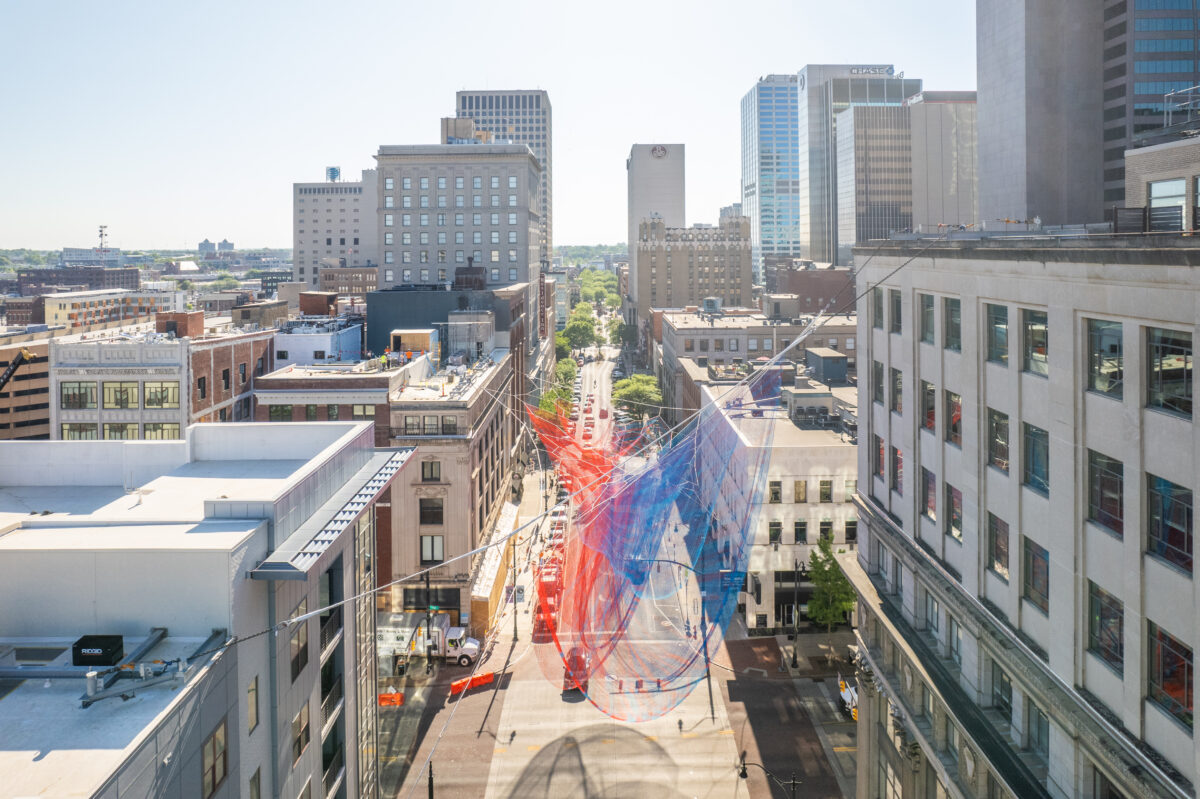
[
  {"x": 310, "y": 340},
  {"x": 1025, "y": 573},
  {"x": 682, "y": 266},
  {"x": 334, "y": 224},
  {"x": 1164, "y": 181},
  {"x": 446, "y": 206},
  {"x": 1041, "y": 130},
  {"x": 945, "y": 159},
  {"x": 248, "y": 663},
  {"x": 34, "y": 281},
  {"x": 771, "y": 169},
  {"x": 349, "y": 282},
  {"x": 655, "y": 176},
  {"x": 82, "y": 308},
  {"x": 522, "y": 117},
  {"x": 823, "y": 92},
  {"x": 874, "y": 175}
]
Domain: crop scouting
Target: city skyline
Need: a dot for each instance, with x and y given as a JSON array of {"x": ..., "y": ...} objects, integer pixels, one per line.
[{"x": 169, "y": 140}]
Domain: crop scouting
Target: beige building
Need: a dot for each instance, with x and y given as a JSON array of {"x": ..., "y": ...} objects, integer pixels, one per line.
[
  {"x": 461, "y": 421},
  {"x": 655, "y": 175},
  {"x": 81, "y": 308},
  {"x": 333, "y": 224},
  {"x": 349, "y": 281},
  {"x": 683, "y": 266},
  {"x": 1027, "y": 602}
]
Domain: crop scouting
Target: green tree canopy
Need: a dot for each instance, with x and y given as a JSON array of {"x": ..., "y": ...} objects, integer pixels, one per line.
[
  {"x": 639, "y": 393},
  {"x": 580, "y": 333},
  {"x": 562, "y": 347},
  {"x": 833, "y": 596},
  {"x": 616, "y": 332}
]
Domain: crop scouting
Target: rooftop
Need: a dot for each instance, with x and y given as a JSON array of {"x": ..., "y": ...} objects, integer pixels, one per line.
[
  {"x": 1078, "y": 247},
  {"x": 453, "y": 383},
  {"x": 51, "y": 746},
  {"x": 90, "y": 293},
  {"x": 691, "y": 320}
]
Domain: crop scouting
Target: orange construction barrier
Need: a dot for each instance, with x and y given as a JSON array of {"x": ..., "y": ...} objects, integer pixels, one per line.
[
  {"x": 458, "y": 686},
  {"x": 394, "y": 699},
  {"x": 467, "y": 683}
]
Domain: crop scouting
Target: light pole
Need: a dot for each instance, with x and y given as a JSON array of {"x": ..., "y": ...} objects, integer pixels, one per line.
[
  {"x": 790, "y": 786},
  {"x": 795, "y": 608}
]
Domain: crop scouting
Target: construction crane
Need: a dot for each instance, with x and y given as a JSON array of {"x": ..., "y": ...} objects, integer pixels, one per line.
[{"x": 22, "y": 357}]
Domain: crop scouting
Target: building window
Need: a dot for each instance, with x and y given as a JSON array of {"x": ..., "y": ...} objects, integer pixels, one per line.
[
  {"x": 76, "y": 396},
  {"x": 1106, "y": 359},
  {"x": 1035, "y": 460},
  {"x": 1001, "y": 692},
  {"x": 431, "y": 471},
  {"x": 897, "y": 471},
  {"x": 1170, "y": 673},
  {"x": 1106, "y": 627},
  {"x": 431, "y": 510},
  {"x": 897, "y": 384},
  {"x": 998, "y": 546},
  {"x": 800, "y": 531},
  {"x": 926, "y": 318},
  {"x": 825, "y": 530},
  {"x": 894, "y": 296},
  {"x": 79, "y": 431},
  {"x": 1036, "y": 577},
  {"x": 952, "y": 311},
  {"x": 774, "y": 532},
  {"x": 362, "y": 412},
  {"x": 279, "y": 413},
  {"x": 774, "y": 492},
  {"x": 213, "y": 761},
  {"x": 997, "y": 333},
  {"x": 851, "y": 530},
  {"x": 929, "y": 494},
  {"x": 300, "y": 734},
  {"x": 1039, "y": 731},
  {"x": 412, "y": 425},
  {"x": 997, "y": 442},
  {"x": 954, "y": 638},
  {"x": 1034, "y": 340},
  {"x": 202, "y": 383},
  {"x": 1106, "y": 492},
  {"x": 122, "y": 394},
  {"x": 877, "y": 382},
  {"x": 331, "y": 412},
  {"x": 877, "y": 455},
  {"x": 1167, "y": 197},
  {"x": 877, "y": 308},
  {"x": 928, "y": 396},
  {"x": 298, "y": 645},
  {"x": 826, "y": 490},
  {"x": 799, "y": 491},
  {"x": 932, "y": 613},
  {"x": 1169, "y": 521},
  {"x": 252, "y": 705},
  {"x": 851, "y": 489},
  {"x": 1169, "y": 370},
  {"x": 431, "y": 550},
  {"x": 310, "y": 413},
  {"x": 155, "y": 431},
  {"x": 255, "y": 791},
  {"x": 953, "y": 420},
  {"x": 952, "y": 742},
  {"x": 953, "y": 512},
  {"x": 120, "y": 431}
]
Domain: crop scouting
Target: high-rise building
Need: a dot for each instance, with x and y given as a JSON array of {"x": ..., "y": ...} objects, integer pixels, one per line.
[
  {"x": 522, "y": 117},
  {"x": 655, "y": 174},
  {"x": 683, "y": 266},
  {"x": 1041, "y": 137},
  {"x": 823, "y": 92},
  {"x": 771, "y": 170},
  {"x": 945, "y": 159},
  {"x": 1025, "y": 573},
  {"x": 1149, "y": 52},
  {"x": 333, "y": 224},
  {"x": 874, "y": 175}
]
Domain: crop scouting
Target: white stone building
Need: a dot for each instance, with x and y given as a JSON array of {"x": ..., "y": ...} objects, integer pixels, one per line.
[{"x": 333, "y": 222}]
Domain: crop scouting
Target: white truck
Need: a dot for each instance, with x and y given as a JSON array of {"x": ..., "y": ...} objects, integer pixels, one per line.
[{"x": 401, "y": 636}]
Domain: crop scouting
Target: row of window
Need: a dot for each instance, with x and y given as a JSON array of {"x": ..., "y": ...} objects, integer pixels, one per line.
[
  {"x": 431, "y": 425},
  {"x": 800, "y": 491},
  {"x": 460, "y": 257},
  {"x": 406, "y": 275},
  {"x": 285, "y": 413},
  {"x": 389, "y": 220},
  {"x": 460, "y": 237},
  {"x": 406, "y": 183},
  {"x": 1169, "y": 354},
  {"x": 800, "y": 531},
  {"x": 460, "y": 201},
  {"x": 83, "y": 395},
  {"x": 118, "y": 431}
]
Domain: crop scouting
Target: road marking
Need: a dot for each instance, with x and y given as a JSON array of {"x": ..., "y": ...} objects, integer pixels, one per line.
[
  {"x": 650, "y": 737},
  {"x": 725, "y": 732},
  {"x": 533, "y": 747},
  {"x": 845, "y": 748},
  {"x": 499, "y": 750},
  {"x": 608, "y": 740}
]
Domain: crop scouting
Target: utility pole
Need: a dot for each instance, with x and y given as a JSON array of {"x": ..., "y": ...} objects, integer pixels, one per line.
[
  {"x": 429, "y": 648},
  {"x": 795, "y": 609},
  {"x": 431, "y": 780},
  {"x": 514, "y": 585}
]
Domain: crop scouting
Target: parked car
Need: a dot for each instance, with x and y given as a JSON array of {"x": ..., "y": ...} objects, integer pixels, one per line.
[{"x": 575, "y": 670}]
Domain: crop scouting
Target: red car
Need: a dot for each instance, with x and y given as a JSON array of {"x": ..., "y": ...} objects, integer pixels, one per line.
[{"x": 575, "y": 670}]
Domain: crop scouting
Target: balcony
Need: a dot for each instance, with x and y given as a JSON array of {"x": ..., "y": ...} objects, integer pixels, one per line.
[
  {"x": 334, "y": 772},
  {"x": 331, "y": 704},
  {"x": 331, "y": 632}
]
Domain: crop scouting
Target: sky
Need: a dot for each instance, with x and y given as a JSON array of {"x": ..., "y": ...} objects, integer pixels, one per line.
[{"x": 174, "y": 122}]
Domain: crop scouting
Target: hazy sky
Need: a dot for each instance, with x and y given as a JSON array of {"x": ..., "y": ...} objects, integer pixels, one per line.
[{"x": 172, "y": 122}]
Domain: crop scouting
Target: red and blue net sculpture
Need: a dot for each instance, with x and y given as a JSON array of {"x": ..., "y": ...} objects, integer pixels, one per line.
[{"x": 637, "y": 587}]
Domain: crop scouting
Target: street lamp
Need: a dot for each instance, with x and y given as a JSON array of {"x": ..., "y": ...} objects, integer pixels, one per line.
[
  {"x": 795, "y": 609},
  {"x": 790, "y": 786}
]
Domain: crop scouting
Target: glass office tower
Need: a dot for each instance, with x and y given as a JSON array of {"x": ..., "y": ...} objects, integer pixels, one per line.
[{"x": 770, "y": 170}]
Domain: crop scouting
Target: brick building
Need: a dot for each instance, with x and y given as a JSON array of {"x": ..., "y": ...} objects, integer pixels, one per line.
[
  {"x": 352, "y": 281},
  {"x": 30, "y": 281}
]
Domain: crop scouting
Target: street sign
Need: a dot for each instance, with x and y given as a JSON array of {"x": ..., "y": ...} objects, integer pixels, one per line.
[{"x": 520, "y": 594}]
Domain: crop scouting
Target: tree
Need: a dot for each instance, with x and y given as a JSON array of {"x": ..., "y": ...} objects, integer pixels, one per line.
[
  {"x": 613, "y": 300},
  {"x": 562, "y": 347},
  {"x": 833, "y": 596},
  {"x": 639, "y": 393},
  {"x": 583, "y": 308},
  {"x": 580, "y": 332},
  {"x": 565, "y": 371},
  {"x": 616, "y": 332}
]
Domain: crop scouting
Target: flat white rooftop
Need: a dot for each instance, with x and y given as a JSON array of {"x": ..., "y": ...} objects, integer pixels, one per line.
[{"x": 50, "y": 746}]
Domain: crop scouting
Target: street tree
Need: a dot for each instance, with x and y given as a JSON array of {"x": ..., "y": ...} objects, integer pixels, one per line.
[
  {"x": 833, "y": 596},
  {"x": 562, "y": 347},
  {"x": 639, "y": 393},
  {"x": 579, "y": 332}
]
